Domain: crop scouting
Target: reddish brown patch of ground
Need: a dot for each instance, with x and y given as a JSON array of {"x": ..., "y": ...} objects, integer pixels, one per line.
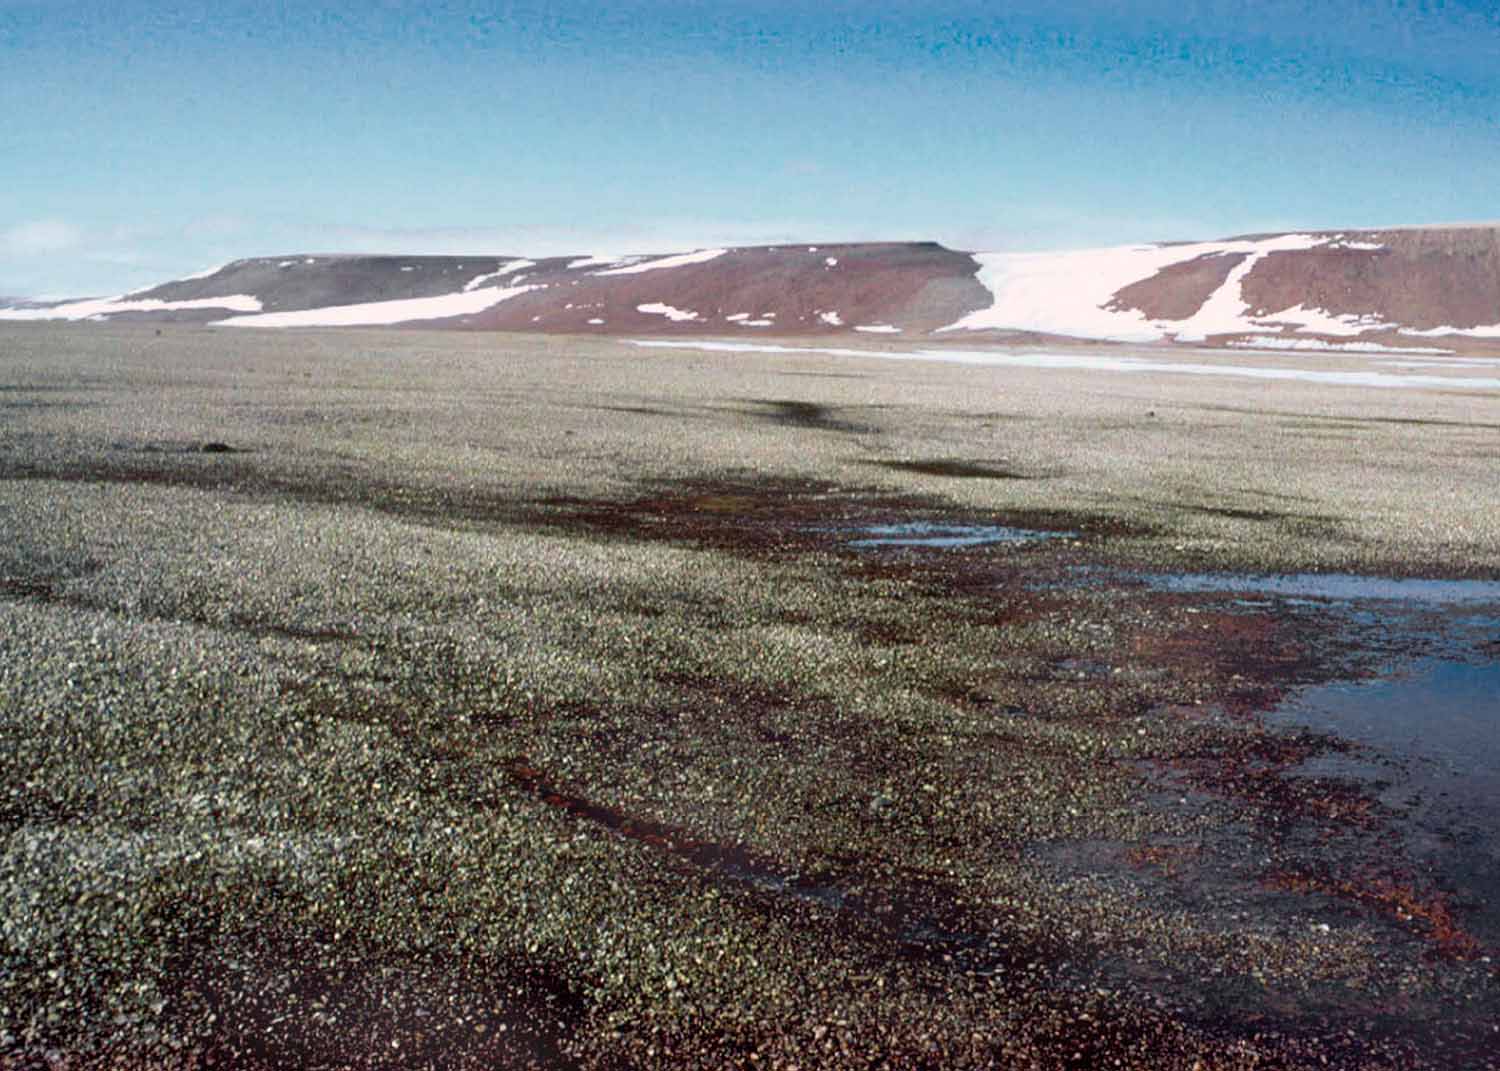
[
  {"x": 1258, "y": 648},
  {"x": 788, "y": 285},
  {"x": 1178, "y": 290},
  {"x": 1420, "y": 279},
  {"x": 1425, "y": 909}
]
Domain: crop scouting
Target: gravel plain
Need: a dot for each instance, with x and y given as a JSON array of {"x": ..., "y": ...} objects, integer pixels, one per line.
[{"x": 437, "y": 700}]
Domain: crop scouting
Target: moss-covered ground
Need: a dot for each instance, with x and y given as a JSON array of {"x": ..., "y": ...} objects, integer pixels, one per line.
[{"x": 404, "y": 700}]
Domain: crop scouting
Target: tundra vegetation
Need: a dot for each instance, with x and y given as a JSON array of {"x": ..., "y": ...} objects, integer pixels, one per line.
[{"x": 404, "y": 699}]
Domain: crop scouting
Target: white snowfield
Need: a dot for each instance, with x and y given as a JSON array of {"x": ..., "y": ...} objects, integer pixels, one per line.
[
  {"x": 1069, "y": 293},
  {"x": 508, "y": 268},
  {"x": 98, "y": 308},
  {"x": 878, "y": 329},
  {"x": 383, "y": 312},
  {"x": 1102, "y": 363},
  {"x": 656, "y": 308},
  {"x": 1322, "y": 321},
  {"x": 1278, "y": 343},
  {"x": 680, "y": 260},
  {"x": 1487, "y": 331}
]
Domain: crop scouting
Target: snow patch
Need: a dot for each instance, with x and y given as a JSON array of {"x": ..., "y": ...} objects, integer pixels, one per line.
[
  {"x": 1067, "y": 293},
  {"x": 1324, "y": 345},
  {"x": 383, "y": 312},
  {"x": 656, "y": 308},
  {"x": 830, "y": 262},
  {"x": 199, "y": 274},
  {"x": 832, "y": 319},
  {"x": 1486, "y": 331},
  {"x": 594, "y": 262},
  {"x": 878, "y": 329},
  {"x": 1100, "y": 363},
  {"x": 1343, "y": 241},
  {"x": 1323, "y": 322},
  {"x": 596, "y": 320},
  {"x": 102, "y": 308},
  {"x": 508, "y": 268},
  {"x": 737, "y": 317},
  {"x": 678, "y": 261}
]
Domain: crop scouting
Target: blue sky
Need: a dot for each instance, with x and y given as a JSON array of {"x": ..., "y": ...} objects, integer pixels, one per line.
[{"x": 142, "y": 141}]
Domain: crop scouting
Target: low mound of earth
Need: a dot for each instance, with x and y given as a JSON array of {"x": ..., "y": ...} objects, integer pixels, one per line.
[
  {"x": 1416, "y": 291},
  {"x": 785, "y": 290}
]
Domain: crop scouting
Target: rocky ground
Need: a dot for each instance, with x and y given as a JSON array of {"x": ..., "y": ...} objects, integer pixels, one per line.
[{"x": 412, "y": 700}]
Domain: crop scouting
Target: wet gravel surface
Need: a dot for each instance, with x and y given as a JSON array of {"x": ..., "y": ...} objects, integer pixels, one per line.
[{"x": 374, "y": 701}]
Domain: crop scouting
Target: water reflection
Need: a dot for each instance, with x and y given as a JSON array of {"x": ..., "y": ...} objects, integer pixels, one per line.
[
  {"x": 932, "y": 534},
  {"x": 1343, "y": 586},
  {"x": 1431, "y": 725}
]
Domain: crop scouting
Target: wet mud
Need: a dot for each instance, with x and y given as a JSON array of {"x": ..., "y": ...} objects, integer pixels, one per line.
[
  {"x": 1331, "y": 818},
  {"x": 933, "y": 534}
]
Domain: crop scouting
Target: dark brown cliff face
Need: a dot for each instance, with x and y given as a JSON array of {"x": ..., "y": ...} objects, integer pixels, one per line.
[
  {"x": 312, "y": 282},
  {"x": 785, "y": 290},
  {"x": 797, "y": 289},
  {"x": 1178, "y": 290},
  {"x": 1420, "y": 279}
]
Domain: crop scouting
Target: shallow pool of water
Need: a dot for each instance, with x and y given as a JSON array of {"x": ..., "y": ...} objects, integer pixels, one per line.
[
  {"x": 1340, "y": 586},
  {"x": 1430, "y": 726},
  {"x": 933, "y": 534}
]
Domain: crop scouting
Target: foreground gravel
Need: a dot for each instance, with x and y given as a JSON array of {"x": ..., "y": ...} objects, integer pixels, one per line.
[{"x": 408, "y": 700}]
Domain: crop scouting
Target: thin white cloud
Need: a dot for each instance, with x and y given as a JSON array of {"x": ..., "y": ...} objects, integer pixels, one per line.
[{"x": 40, "y": 236}]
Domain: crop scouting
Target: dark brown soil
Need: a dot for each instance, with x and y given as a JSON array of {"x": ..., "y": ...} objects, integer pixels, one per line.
[
  {"x": 1178, "y": 290},
  {"x": 1421, "y": 279},
  {"x": 875, "y": 283}
]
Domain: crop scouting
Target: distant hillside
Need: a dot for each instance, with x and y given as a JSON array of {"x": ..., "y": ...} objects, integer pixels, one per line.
[{"x": 1405, "y": 288}]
